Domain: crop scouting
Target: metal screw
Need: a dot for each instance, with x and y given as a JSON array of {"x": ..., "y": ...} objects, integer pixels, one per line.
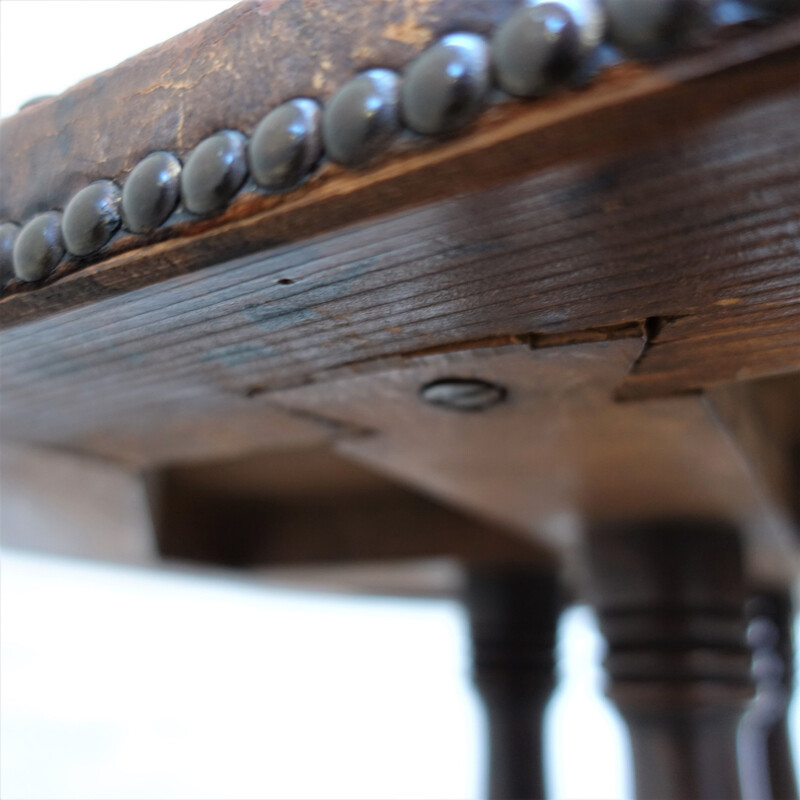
[{"x": 462, "y": 394}]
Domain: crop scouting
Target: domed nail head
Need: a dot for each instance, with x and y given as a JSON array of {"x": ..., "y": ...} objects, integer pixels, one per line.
[
  {"x": 286, "y": 145},
  {"x": 151, "y": 192},
  {"x": 91, "y": 218},
  {"x": 445, "y": 87},
  {"x": 214, "y": 172},
  {"x": 654, "y": 28},
  {"x": 590, "y": 19},
  {"x": 38, "y": 247},
  {"x": 538, "y": 47},
  {"x": 8, "y": 235},
  {"x": 362, "y": 118}
]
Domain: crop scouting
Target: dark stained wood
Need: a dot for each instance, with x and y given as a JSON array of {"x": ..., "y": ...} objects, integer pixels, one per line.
[
  {"x": 513, "y": 614},
  {"x": 225, "y": 73},
  {"x": 628, "y": 109},
  {"x": 559, "y": 452},
  {"x": 312, "y": 507},
  {"x": 670, "y": 597},
  {"x": 634, "y": 240},
  {"x": 764, "y": 418},
  {"x": 765, "y": 752},
  {"x": 676, "y": 232},
  {"x": 206, "y": 431},
  {"x": 304, "y": 518},
  {"x": 618, "y": 260},
  {"x": 760, "y": 337}
]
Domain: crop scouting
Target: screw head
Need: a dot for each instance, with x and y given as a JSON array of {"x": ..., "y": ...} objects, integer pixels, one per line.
[{"x": 463, "y": 394}]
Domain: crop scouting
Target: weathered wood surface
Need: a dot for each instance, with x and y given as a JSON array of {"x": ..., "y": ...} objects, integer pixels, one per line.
[
  {"x": 302, "y": 518},
  {"x": 66, "y": 505},
  {"x": 225, "y": 73},
  {"x": 636, "y": 240},
  {"x": 202, "y": 431},
  {"x": 697, "y": 240},
  {"x": 560, "y": 451},
  {"x": 311, "y": 507},
  {"x": 626, "y": 110}
]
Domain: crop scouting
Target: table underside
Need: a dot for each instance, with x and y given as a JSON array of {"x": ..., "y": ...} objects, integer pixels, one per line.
[{"x": 624, "y": 260}]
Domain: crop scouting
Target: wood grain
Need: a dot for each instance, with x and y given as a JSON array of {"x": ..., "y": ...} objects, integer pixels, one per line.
[
  {"x": 303, "y": 519},
  {"x": 700, "y": 233},
  {"x": 636, "y": 241},
  {"x": 629, "y": 108},
  {"x": 560, "y": 454},
  {"x": 225, "y": 73}
]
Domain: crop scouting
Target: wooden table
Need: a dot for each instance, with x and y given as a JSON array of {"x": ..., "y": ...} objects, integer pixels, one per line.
[{"x": 551, "y": 354}]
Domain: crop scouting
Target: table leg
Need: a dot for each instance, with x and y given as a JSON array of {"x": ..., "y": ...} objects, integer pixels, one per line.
[
  {"x": 513, "y": 616},
  {"x": 768, "y": 771},
  {"x": 670, "y": 599}
]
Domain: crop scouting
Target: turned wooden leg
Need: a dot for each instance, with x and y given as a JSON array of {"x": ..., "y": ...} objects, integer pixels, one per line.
[
  {"x": 765, "y": 754},
  {"x": 513, "y": 615},
  {"x": 670, "y": 598}
]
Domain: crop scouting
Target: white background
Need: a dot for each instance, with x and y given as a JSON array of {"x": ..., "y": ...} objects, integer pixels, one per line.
[
  {"x": 121, "y": 683},
  {"x": 46, "y": 46}
]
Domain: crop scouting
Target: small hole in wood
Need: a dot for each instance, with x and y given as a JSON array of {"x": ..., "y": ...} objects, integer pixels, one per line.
[{"x": 285, "y": 281}]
